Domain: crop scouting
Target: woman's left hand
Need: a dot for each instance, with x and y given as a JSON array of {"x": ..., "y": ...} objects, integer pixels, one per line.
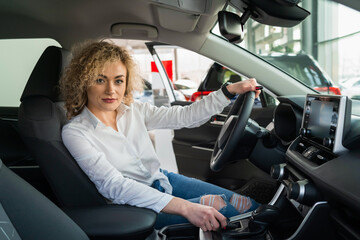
[{"x": 243, "y": 87}]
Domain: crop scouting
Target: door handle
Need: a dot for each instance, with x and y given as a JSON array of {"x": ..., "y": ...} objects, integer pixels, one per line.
[{"x": 218, "y": 119}]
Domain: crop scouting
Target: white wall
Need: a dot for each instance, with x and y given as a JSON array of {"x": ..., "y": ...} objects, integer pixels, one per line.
[{"x": 17, "y": 60}]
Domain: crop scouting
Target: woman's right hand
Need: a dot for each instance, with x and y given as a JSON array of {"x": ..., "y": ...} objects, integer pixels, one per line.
[{"x": 205, "y": 217}]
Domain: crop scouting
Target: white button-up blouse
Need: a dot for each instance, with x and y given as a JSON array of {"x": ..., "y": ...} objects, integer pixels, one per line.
[{"x": 123, "y": 165}]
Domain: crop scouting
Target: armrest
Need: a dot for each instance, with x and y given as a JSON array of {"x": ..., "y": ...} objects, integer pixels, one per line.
[{"x": 114, "y": 221}]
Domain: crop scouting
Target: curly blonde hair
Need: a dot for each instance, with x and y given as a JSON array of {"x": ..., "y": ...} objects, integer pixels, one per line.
[{"x": 89, "y": 60}]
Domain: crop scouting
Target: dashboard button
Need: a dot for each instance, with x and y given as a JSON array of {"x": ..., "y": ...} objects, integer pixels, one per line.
[
  {"x": 303, "y": 192},
  {"x": 328, "y": 142},
  {"x": 278, "y": 171}
]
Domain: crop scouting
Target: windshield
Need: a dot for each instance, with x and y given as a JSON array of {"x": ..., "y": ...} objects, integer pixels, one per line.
[{"x": 322, "y": 52}]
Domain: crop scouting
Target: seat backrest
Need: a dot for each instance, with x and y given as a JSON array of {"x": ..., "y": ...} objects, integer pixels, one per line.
[
  {"x": 41, "y": 118},
  {"x": 26, "y": 214}
]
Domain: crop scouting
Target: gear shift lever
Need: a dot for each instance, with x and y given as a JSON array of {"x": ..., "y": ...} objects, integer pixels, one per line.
[
  {"x": 262, "y": 217},
  {"x": 257, "y": 225}
]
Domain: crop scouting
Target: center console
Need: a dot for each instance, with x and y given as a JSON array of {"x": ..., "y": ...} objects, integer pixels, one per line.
[{"x": 325, "y": 122}]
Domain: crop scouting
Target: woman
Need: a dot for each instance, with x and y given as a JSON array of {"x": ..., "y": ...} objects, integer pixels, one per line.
[{"x": 107, "y": 136}]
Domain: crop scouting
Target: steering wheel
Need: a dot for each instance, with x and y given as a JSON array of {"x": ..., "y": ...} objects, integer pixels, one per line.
[{"x": 232, "y": 132}]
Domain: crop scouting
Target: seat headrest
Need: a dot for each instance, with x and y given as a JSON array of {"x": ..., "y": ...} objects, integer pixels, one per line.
[
  {"x": 234, "y": 78},
  {"x": 44, "y": 79}
]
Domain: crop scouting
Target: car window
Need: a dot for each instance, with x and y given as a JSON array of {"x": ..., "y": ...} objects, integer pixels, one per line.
[
  {"x": 302, "y": 67},
  {"x": 194, "y": 76},
  {"x": 185, "y": 69},
  {"x": 17, "y": 60},
  {"x": 217, "y": 76},
  {"x": 154, "y": 91}
]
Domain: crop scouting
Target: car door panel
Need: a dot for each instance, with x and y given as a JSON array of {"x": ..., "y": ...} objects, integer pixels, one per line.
[{"x": 205, "y": 136}]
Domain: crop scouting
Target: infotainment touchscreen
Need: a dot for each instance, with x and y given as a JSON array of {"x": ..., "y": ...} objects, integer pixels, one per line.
[{"x": 324, "y": 119}]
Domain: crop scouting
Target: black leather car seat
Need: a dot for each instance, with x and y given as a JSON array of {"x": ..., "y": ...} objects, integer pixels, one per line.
[
  {"x": 26, "y": 214},
  {"x": 41, "y": 117}
]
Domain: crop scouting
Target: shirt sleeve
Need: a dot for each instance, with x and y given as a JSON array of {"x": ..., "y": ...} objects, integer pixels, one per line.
[
  {"x": 107, "y": 179},
  {"x": 177, "y": 117}
]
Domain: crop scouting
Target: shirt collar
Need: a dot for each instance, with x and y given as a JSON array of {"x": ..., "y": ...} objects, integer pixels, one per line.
[
  {"x": 121, "y": 110},
  {"x": 86, "y": 113}
]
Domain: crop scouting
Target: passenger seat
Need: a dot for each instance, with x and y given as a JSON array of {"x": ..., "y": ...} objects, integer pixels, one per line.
[{"x": 26, "y": 214}]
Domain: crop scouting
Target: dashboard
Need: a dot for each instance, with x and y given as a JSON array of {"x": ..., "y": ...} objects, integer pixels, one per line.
[
  {"x": 321, "y": 125},
  {"x": 323, "y": 153}
]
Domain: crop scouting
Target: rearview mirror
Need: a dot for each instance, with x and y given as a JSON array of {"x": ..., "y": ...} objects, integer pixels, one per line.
[{"x": 231, "y": 27}]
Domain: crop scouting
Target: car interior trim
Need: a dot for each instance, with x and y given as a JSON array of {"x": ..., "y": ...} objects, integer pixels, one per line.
[
  {"x": 8, "y": 119},
  {"x": 24, "y": 167},
  {"x": 338, "y": 146},
  {"x": 202, "y": 148},
  {"x": 241, "y": 216},
  {"x": 163, "y": 75},
  {"x": 277, "y": 194},
  {"x": 219, "y": 123},
  {"x": 7, "y": 228},
  {"x": 222, "y": 115},
  {"x": 308, "y": 215},
  {"x": 218, "y": 153},
  {"x": 301, "y": 190},
  {"x": 281, "y": 174}
]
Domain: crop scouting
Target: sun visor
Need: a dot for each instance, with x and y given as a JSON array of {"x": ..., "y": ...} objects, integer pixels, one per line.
[
  {"x": 176, "y": 21},
  {"x": 198, "y": 6},
  {"x": 272, "y": 12}
]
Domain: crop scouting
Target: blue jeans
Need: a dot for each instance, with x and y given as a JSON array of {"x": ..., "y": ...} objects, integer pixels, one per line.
[{"x": 192, "y": 190}]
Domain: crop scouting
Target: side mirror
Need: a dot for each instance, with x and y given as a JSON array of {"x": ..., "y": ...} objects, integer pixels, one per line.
[{"x": 231, "y": 27}]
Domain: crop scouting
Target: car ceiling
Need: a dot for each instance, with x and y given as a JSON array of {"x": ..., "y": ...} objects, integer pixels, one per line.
[{"x": 71, "y": 21}]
